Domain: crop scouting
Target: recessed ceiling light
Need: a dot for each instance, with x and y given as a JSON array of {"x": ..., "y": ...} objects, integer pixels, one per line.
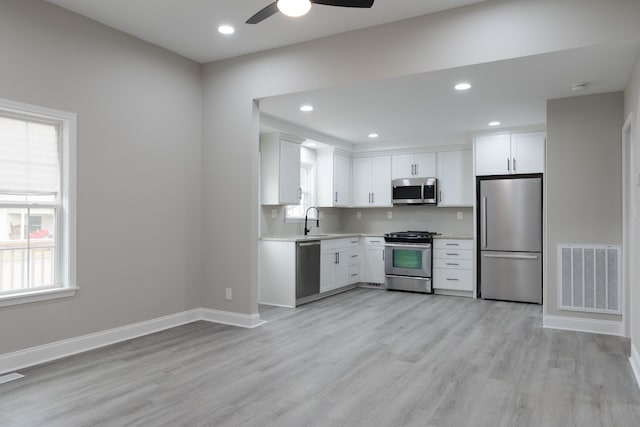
[
  {"x": 294, "y": 8},
  {"x": 226, "y": 29},
  {"x": 462, "y": 86},
  {"x": 373, "y": 135},
  {"x": 306, "y": 108},
  {"x": 496, "y": 123}
]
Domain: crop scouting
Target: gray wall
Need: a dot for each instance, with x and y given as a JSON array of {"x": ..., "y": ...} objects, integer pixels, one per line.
[
  {"x": 139, "y": 137},
  {"x": 444, "y": 40},
  {"x": 632, "y": 106},
  {"x": 583, "y": 179}
]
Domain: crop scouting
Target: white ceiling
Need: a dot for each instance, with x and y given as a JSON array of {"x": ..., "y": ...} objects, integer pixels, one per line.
[
  {"x": 189, "y": 27},
  {"x": 425, "y": 110}
]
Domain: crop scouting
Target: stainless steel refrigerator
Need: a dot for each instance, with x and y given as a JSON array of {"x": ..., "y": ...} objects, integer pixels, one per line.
[{"x": 510, "y": 229}]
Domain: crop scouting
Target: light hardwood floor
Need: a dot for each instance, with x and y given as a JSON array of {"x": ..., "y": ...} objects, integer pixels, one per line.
[{"x": 363, "y": 358}]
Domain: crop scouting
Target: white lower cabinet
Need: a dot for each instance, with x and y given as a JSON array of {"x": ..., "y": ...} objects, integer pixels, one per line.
[
  {"x": 374, "y": 260},
  {"x": 453, "y": 264},
  {"x": 354, "y": 261},
  {"x": 335, "y": 264}
]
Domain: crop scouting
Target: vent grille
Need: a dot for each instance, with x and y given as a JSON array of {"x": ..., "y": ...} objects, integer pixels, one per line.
[{"x": 590, "y": 278}]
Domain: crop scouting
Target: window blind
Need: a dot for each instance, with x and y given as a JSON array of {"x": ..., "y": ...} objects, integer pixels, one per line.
[{"x": 29, "y": 157}]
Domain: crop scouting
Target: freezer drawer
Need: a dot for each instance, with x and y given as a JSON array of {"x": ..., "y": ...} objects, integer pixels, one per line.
[{"x": 511, "y": 276}]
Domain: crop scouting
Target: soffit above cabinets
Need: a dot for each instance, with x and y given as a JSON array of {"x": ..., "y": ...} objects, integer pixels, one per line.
[{"x": 424, "y": 109}]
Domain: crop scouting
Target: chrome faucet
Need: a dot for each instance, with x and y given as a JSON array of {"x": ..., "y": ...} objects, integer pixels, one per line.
[{"x": 306, "y": 230}]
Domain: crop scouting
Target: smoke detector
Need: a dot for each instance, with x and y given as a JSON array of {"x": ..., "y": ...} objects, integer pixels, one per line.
[{"x": 579, "y": 87}]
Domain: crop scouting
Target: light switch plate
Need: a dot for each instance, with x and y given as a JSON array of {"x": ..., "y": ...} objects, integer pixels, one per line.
[
  {"x": 389, "y": 214},
  {"x": 359, "y": 215},
  {"x": 459, "y": 215},
  {"x": 228, "y": 294},
  {"x": 638, "y": 180}
]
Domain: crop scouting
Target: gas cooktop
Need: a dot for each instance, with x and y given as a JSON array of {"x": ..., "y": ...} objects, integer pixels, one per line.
[{"x": 410, "y": 236}]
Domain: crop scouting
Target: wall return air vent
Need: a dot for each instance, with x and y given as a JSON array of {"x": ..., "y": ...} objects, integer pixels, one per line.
[{"x": 590, "y": 278}]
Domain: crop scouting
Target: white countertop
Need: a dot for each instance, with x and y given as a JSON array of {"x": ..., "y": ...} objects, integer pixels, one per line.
[{"x": 298, "y": 238}]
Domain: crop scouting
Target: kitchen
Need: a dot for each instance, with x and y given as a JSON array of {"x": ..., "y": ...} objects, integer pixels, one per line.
[{"x": 451, "y": 149}]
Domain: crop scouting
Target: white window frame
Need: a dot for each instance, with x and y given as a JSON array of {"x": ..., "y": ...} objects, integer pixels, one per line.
[
  {"x": 310, "y": 199},
  {"x": 66, "y": 214}
]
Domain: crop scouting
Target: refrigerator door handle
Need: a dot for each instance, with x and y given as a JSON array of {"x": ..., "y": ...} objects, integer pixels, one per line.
[
  {"x": 512, "y": 256},
  {"x": 483, "y": 223}
]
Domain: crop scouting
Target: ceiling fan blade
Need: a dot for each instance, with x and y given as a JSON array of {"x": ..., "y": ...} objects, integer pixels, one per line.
[
  {"x": 345, "y": 3},
  {"x": 264, "y": 13}
]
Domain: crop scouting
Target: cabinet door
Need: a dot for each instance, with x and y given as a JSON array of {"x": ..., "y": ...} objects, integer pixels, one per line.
[
  {"x": 402, "y": 166},
  {"x": 328, "y": 261},
  {"x": 362, "y": 181},
  {"x": 425, "y": 165},
  {"x": 289, "y": 181},
  {"x": 342, "y": 181},
  {"x": 455, "y": 178},
  {"x": 343, "y": 270},
  {"x": 527, "y": 152},
  {"x": 374, "y": 264},
  {"x": 381, "y": 180},
  {"x": 493, "y": 154}
]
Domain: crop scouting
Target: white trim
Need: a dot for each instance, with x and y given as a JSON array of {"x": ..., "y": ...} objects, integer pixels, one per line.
[
  {"x": 35, "y": 296},
  {"x": 628, "y": 203},
  {"x": 635, "y": 363},
  {"x": 230, "y": 318},
  {"x": 45, "y": 353},
  {"x": 607, "y": 327}
]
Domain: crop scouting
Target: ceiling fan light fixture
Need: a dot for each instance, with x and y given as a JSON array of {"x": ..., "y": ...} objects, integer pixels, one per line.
[{"x": 294, "y": 8}]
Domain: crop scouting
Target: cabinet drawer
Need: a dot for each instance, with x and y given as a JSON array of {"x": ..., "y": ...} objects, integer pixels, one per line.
[
  {"x": 455, "y": 264},
  {"x": 374, "y": 241},
  {"x": 354, "y": 259},
  {"x": 452, "y": 254},
  {"x": 354, "y": 274},
  {"x": 452, "y": 244},
  {"x": 459, "y": 280},
  {"x": 335, "y": 243}
]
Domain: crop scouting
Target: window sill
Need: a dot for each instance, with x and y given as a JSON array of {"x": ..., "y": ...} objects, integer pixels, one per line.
[{"x": 35, "y": 296}]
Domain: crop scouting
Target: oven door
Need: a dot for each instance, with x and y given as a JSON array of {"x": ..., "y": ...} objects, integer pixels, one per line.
[{"x": 407, "y": 259}]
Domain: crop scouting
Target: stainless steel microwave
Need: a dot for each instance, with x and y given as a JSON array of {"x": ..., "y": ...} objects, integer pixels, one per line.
[{"x": 414, "y": 191}]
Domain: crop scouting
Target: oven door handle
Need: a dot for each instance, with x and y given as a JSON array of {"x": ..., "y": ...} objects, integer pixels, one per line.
[{"x": 408, "y": 246}]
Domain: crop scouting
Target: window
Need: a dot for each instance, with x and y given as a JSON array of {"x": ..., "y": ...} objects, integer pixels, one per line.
[
  {"x": 37, "y": 200},
  {"x": 308, "y": 196}
]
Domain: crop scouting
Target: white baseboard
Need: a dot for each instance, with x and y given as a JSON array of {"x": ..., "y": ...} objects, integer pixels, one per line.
[
  {"x": 635, "y": 362},
  {"x": 607, "y": 327},
  {"x": 45, "y": 353},
  {"x": 230, "y": 318}
]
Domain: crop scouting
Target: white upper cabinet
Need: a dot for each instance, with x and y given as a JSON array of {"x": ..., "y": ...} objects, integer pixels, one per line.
[
  {"x": 333, "y": 184},
  {"x": 527, "y": 152},
  {"x": 413, "y": 166},
  {"x": 372, "y": 181},
  {"x": 506, "y": 154},
  {"x": 455, "y": 178},
  {"x": 280, "y": 169}
]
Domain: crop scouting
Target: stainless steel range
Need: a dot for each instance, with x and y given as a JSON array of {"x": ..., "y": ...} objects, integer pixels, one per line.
[{"x": 408, "y": 261}]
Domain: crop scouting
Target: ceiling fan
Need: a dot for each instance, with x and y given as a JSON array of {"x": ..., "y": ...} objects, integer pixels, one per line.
[{"x": 300, "y": 7}]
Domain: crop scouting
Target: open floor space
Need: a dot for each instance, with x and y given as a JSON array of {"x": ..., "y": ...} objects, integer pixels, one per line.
[{"x": 362, "y": 358}]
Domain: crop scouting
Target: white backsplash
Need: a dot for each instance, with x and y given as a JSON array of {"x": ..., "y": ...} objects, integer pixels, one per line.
[{"x": 374, "y": 220}]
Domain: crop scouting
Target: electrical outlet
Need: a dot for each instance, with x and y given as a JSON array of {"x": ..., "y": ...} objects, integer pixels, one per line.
[
  {"x": 359, "y": 215},
  {"x": 389, "y": 214},
  {"x": 459, "y": 215},
  {"x": 274, "y": 213},
  {"x": 228, "y": 294},
  {"x": 638, "y": 180}
]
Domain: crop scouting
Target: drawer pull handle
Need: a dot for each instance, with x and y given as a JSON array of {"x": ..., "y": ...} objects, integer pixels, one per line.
[
  {"x": 453, "y": 280},
  {"x": 452, "y": 263},
  {"x": 453, "y": 254},
  {"x": 354, "y": 256},
  {"x": 353, "y": 275},
  {"x": 453, "y": 244}
]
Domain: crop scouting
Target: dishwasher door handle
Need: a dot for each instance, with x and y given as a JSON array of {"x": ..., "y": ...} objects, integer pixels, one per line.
[{"x": 314, "y": 243}]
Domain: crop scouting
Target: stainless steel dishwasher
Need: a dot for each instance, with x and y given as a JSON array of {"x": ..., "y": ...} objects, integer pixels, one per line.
[{"x": 307, "y": 270}]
